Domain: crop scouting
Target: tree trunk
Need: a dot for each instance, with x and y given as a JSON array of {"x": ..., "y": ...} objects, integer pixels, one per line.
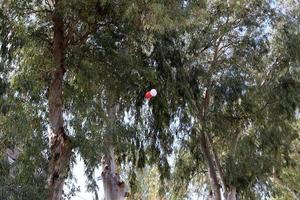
[
  {"x": 60, "y": 144},
  {"x": 211, "y": 168},
  {"x": 205, "y": 147},
  {"x": 114, "y": 187},
  {"x": 218, "y": 165},
  {"x": 231, "y": 195}
]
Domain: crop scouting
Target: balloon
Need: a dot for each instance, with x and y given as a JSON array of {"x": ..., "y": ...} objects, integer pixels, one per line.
[
  {"x": 153, "y": 92},
  {"x": 150, "y": 94}
]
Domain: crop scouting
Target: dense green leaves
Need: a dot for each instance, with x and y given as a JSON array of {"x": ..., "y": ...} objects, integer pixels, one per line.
[{"x": 243, "y": 54}]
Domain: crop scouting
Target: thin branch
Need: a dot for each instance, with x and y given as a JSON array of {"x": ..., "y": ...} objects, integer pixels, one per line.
[
  {"x": 70, "y": 31},
  {"x": 50, "y": 4},
  {"x": 270, "y": 74},
  {"x": 85, "y": 36}
]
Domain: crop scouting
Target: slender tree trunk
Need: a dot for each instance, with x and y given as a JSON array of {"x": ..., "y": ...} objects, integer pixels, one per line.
[
  {"x": 207, "y": 151},
  {"x": 114, "y": 187},
  {"x": 218, "y": 165},
  {"x": 60, "y": 144},
  {"x": 231, "y": 195},
  {"x": 211, "y": 168}
]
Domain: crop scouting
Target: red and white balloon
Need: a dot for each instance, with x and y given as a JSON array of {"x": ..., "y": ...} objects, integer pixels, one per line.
[{"x": 150, "y": 94}]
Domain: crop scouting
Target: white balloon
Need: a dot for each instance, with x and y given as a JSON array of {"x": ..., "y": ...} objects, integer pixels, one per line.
[{"x": 153, "y": 92}]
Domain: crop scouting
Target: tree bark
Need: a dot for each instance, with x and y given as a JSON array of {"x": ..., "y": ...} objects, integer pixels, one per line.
[
  {"x": 211, "y": 168},
  {"x": 114, "y": 187},
  {"x": 231, "y": 195},
  {"x": 60, "y": 144},
  {"x": 218, "y": 165},
  {"x": 207, "y": 150}
]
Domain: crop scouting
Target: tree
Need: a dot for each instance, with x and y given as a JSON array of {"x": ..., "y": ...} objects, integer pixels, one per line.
[
  {"x": 66, "y": 39},
  {"x": 228, "y": 91},
  {"x": 62, "y": 42},
  {"x": 286, "y": 182},
  {"x": 231, "y": 77}
]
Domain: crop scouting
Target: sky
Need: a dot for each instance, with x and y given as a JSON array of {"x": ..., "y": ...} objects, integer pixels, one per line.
[{"x": 78, "y": 173}]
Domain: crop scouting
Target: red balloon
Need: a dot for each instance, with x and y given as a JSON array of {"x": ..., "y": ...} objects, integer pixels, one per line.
[{"x": 148, "y": 95}]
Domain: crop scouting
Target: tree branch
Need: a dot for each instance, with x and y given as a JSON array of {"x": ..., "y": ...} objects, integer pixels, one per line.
[
  {"x": 70, "y": 31},
  {"x": 84, "y": 37},
  {"x": 51, "y": 7}
]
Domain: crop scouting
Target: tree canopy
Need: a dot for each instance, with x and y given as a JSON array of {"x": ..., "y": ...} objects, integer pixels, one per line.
[{"x": 225, "y": 122}]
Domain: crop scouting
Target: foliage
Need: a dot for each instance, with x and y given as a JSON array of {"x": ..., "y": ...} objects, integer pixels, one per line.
[{"x": 244, "y": 54}]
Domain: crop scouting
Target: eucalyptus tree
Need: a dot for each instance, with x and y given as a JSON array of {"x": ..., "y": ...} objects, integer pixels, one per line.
[
  {"x": 233, "y": 78},
  {"x": 53, "y": 33},
  {"x": 287, "y": 37},
  {"x": 76, "y": 61},
  {"x": 227, "y": 88},
  {"x": 10, "y": 131}
]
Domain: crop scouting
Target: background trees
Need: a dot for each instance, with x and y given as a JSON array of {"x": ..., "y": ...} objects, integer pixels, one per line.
[{"x": 73, "y": 76}]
